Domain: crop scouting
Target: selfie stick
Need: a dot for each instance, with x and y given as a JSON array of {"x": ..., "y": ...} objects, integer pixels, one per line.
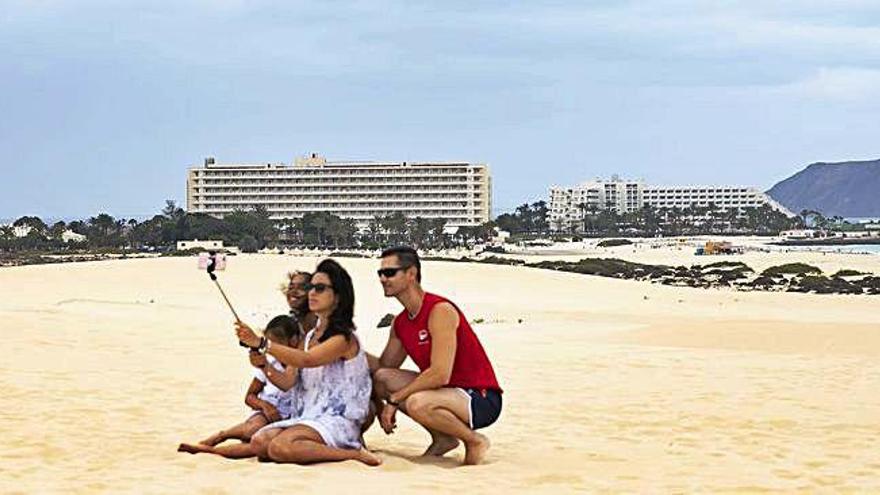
[{"x": 211, "y": 267}]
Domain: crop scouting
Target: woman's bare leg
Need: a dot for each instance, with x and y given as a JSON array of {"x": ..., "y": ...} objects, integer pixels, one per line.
[{"x": 303, "y": 445}]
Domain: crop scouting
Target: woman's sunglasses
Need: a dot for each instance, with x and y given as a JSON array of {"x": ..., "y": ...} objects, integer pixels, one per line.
[
  {"x": 390, "y": 272},
  {"x": 319, "y": 288}
]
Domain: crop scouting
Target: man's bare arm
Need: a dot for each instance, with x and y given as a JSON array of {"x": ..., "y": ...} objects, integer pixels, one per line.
[
  {"x": 443, "y": 326},
  {"x": 392, "y": 356}
]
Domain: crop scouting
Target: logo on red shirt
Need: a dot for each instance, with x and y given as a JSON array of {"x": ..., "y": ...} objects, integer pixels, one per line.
[{"x": 423, "y": 337}]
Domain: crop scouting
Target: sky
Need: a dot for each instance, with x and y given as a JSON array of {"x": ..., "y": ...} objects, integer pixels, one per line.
[{"x": 105, "y": 104}]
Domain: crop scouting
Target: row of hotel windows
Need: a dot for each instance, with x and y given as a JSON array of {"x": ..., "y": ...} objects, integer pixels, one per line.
[
  {"x": 569, "y": 208},
  {"x": 657, "y": 190},
  {"x": 333, "y": 171},
  {"x": 334, "y": 198},
  {"x": 313, "y": 180},
  {"x": 276, "y": 212},
  {"x": 340, "y": 204},
  {"x": 273, "y": 194},
  {"x": 697, "y": 191},
  {"x": 239, "y": 188},
  {"x": 753, "y": 197}
]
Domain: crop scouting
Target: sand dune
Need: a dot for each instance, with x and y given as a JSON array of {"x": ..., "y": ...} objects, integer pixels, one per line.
[{"x": 611, "y": 385}]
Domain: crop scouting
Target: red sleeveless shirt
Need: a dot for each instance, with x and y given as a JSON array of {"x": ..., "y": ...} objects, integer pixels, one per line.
[{"x": 471, "y": 368}]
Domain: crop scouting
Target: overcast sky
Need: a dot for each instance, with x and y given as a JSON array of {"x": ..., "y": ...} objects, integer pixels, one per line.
[{"x": 104, "y": 105}]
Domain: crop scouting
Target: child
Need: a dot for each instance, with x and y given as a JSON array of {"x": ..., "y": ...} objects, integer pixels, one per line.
[{"x": 270, "y": 395}]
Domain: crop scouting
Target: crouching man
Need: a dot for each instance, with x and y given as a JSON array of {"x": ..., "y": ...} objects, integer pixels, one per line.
[{"x": 456, "y": 392}]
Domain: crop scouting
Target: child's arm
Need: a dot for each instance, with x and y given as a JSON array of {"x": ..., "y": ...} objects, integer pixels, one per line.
[
  {"x": 282, "y": 379},
  {"x": 251, "y": 398}
]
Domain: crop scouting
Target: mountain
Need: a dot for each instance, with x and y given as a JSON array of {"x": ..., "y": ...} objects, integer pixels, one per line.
[{"x": 848, "y": 189}]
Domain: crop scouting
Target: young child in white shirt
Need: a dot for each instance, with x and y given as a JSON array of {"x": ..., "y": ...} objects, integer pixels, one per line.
[{"x": 271, "y": 395}]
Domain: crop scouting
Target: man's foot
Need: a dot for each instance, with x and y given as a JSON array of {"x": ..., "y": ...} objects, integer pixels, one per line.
[
  {"x": 368, "y": 458},
  {"x": 476, "y": 450},
  {"x": 440, "y": 445},
  {"x": 196, "y": 448}
]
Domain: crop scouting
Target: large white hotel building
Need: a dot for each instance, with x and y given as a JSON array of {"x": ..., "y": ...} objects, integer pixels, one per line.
[
  {"x": 458, "y": 192},
  {"x": 568, "y": 205}
]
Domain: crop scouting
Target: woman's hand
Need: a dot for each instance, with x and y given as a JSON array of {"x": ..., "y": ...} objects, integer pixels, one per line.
[{"x": 246, "y": 335}]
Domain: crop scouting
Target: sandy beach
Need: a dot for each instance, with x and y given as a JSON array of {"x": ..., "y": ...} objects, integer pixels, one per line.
[{"x": 610, "y": 385}]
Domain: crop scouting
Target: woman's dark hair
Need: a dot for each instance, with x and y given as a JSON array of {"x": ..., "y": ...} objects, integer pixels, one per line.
[
  {"x": 284, "y": 328},
  {"x": 341, "y": 319}
]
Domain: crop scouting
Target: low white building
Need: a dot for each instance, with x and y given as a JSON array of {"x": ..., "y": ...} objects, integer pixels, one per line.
[
  {"x": 21, "y": 230},
  {"x": 71, "y": 236},
  {"x": 799, "y": 234},
  {"x": 197, "y": 244}
]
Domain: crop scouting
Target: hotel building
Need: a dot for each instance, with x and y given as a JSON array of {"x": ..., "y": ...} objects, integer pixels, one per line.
[
  {"x": 458, "y": 192},
  {"x": 568, "y": 205}
]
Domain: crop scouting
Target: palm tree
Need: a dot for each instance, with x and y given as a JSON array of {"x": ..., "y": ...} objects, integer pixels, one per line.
[
  {"x": 436, "y": 227},
  {"x": 7, "y": 232},
  {"x": 731, "y": 218},
  {"x": 418, "y": 229},
  {"x": 394, "y": 225}
]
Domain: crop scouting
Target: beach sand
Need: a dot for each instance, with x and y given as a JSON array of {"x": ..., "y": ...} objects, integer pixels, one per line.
[{"x": 610, "y": 385}]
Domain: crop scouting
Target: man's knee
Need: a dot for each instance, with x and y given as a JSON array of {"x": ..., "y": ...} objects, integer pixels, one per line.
[
  {"x": 381, "y": 377},
  {"x": 418, "y": 404}
]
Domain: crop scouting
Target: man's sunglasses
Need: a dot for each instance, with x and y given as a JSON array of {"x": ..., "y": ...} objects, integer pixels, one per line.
[
  {"x": 390, "y": 272},
  {"x": 319, "y": 288}
]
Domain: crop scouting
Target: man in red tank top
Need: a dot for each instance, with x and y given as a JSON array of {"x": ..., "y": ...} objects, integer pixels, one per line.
[{"x": 455, "y": 391}]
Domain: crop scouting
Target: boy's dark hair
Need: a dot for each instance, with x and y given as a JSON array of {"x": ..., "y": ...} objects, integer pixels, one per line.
[
  {"x": 341, "y": 320},
  {"x": 284, "y": 328},
  {"x": 407, "y": 256}
]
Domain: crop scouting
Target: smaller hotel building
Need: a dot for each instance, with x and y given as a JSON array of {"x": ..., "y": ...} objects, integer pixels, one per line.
[{"x": 568, "y": 205}]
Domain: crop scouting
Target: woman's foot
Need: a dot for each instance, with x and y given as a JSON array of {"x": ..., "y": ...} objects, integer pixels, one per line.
[
  {"x": 196, "y": 448},
  {"x": 475, "y": 450},
  {"x": 368, "y": 458}
]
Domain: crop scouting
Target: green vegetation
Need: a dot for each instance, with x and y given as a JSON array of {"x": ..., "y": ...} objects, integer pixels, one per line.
[
  {"x": 691, "y": 220},
  {"x": 250, "y": 230},
  {"x": 848, "y": 273},
  {"x": 791, "y": 269},
  {"x": 614, "y": 242}
]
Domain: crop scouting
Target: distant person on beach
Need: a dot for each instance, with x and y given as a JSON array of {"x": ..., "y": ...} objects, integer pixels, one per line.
[
  {"x": 334, "y": 380},
  {"x": 271, "y": 395},
  {"x": 456, "y": 392}
]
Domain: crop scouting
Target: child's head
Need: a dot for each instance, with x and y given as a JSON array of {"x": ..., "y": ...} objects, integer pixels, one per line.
[
  {"x": 294, "y": 289},
  {"x": 283, "y": 330}
]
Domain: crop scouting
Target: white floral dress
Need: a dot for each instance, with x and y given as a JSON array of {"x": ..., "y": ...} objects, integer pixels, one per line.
[{"x": 335, "y": 399}]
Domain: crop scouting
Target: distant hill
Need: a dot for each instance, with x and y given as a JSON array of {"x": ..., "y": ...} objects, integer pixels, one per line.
[{"x": 848, "y": 189}]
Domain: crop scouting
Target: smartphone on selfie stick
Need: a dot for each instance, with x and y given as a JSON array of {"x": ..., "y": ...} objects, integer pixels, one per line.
[{"x": 210, "y": 262}]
